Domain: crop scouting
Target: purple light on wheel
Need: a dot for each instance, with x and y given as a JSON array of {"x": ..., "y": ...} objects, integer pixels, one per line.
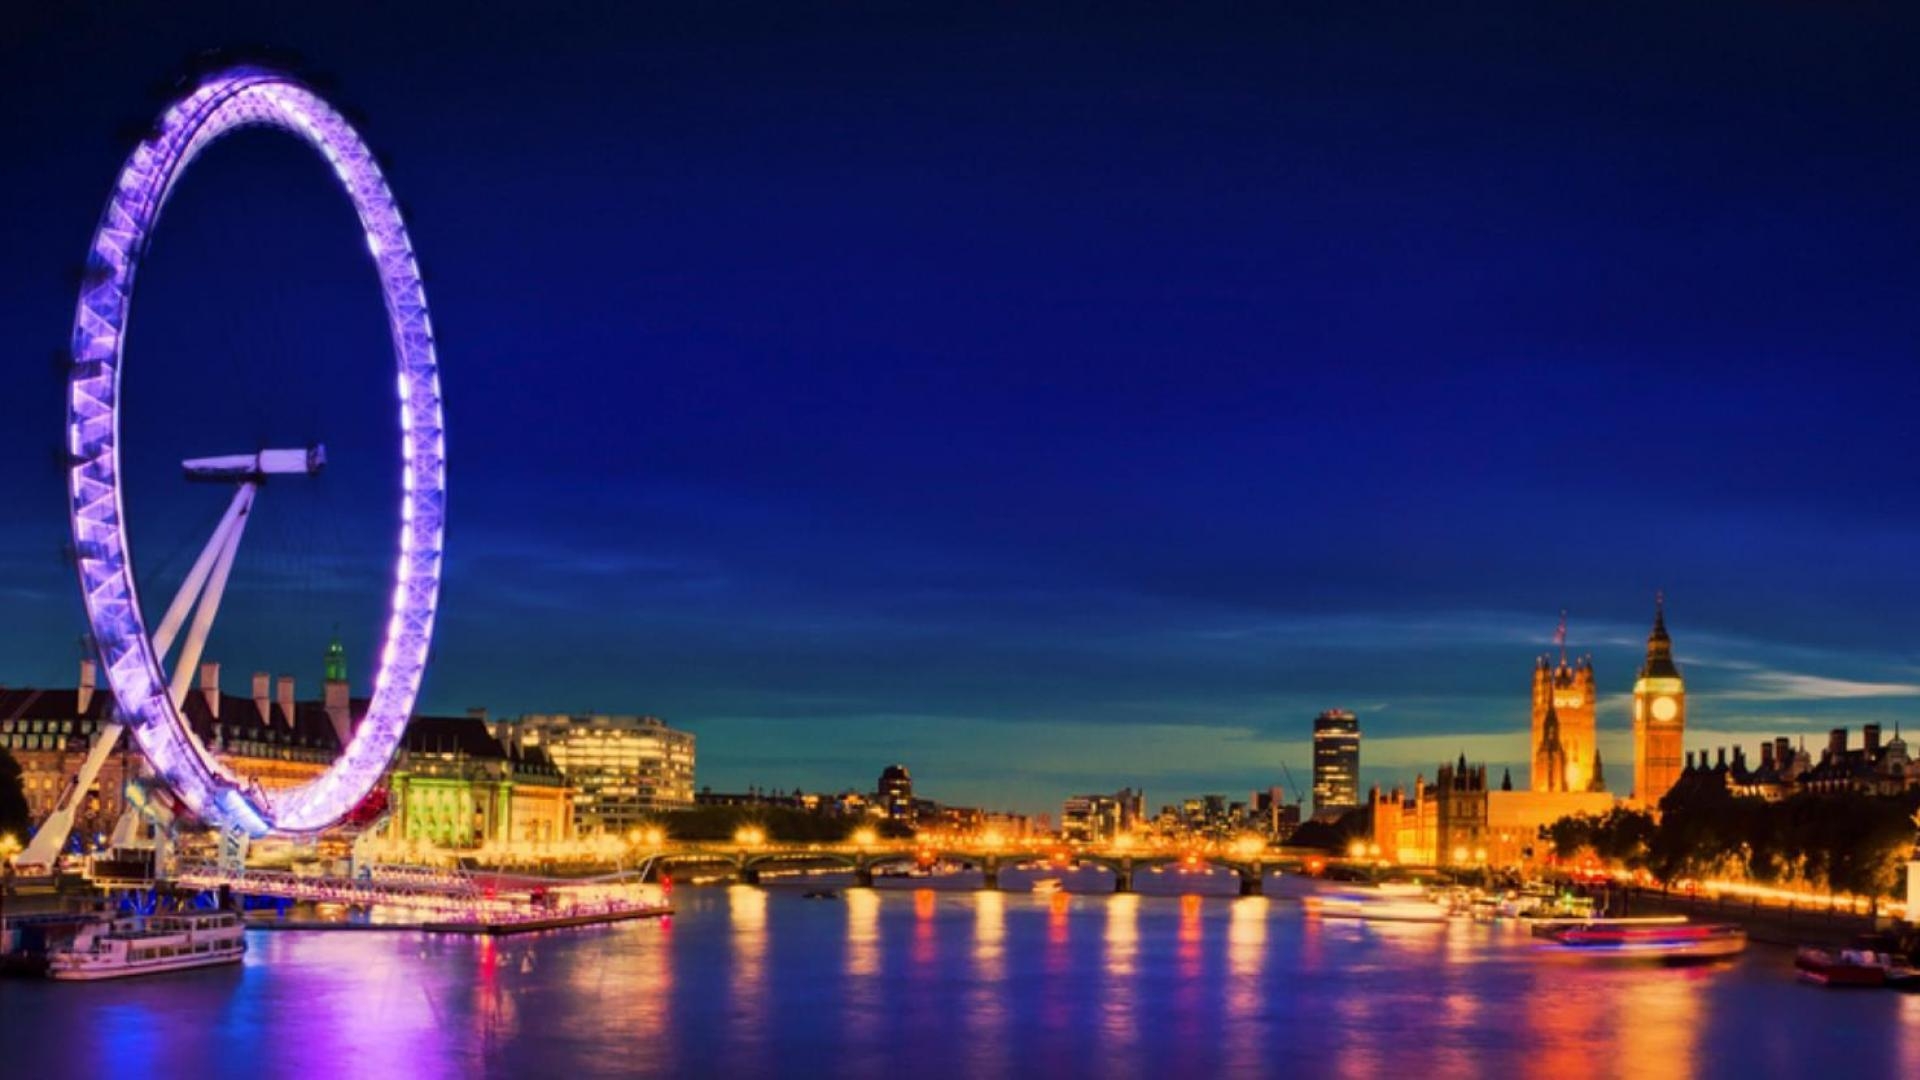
[{"x": 225, "y": 102}]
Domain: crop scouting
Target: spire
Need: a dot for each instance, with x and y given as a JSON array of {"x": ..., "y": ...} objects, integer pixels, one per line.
[
  {"x": 1560, "y": 637},
  {"x": 1550, "y": 757},
  {"x": 1599, "y": 781},
  {"x": 1659, "y": 663},
  {"x": 1506, "y": 779},
  {"x": 336, "y": 661}
]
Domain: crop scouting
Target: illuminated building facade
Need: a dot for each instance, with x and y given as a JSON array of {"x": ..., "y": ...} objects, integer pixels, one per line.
[
  {"x": 1565, "y": 750},
  {"x": 454, "y": 785},
  {"x": 1336, "y": 763},
  {"x": 1659, "y": 716},
  {"x": 622, "y": 769},
  {"x": 1090, "y": 819},
  {"x": 270, "y": 737}
]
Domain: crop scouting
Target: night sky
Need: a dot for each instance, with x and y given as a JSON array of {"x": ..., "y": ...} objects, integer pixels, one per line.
[{"x": 1049, "y": 400}]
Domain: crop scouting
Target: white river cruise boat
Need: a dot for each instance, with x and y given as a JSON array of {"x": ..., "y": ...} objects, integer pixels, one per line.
[{"x": 123, "y": 947}]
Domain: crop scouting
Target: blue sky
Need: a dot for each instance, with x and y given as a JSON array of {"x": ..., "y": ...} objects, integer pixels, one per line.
[{"x": 1052, "y": 400}]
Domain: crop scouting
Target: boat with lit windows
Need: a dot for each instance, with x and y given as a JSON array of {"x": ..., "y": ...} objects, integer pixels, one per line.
[
  {"x": 1863, "y": 968},
  {"x": 1646, "y": 939},
  {"x": 1385, "y": 903},
  {"x": 119, "y": 948}
]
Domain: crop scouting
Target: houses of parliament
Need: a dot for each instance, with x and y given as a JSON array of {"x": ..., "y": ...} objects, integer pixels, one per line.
[
  {"x": 1461, "y": 818},
  {"x": 1565, "y": 751}
]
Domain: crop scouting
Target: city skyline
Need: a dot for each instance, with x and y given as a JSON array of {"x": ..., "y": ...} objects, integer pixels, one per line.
[{"x": 1131, "y": 512}]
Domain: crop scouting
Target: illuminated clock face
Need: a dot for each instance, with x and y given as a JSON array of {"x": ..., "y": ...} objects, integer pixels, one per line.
[{"x": 1665, "y": 708}]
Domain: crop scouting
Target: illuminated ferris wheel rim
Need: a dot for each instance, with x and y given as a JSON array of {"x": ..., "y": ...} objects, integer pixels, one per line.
[{"x": 222, "y": 103}]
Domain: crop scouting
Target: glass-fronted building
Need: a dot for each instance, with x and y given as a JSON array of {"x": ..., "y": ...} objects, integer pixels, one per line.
[
  {"x": 1336, "y": 763},
  {"x": 622, "y": 768}
]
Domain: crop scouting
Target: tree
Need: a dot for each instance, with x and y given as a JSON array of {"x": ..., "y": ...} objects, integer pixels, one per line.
[{"x": 15, "y": 819}]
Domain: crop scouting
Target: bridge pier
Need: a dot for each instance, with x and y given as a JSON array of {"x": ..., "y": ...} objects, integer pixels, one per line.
[
  {"x": 1253, "y": 881},
  {"x": 863, "y": 876},
  {"x": 990, "y": 874},
  {"x": 749, "y": 875},
  {"x": 1123, "y": 877}
]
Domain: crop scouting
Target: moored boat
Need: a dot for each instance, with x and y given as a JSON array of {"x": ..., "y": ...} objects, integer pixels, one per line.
[
  {"x": 118, "y": 948},
  {"x": 1854, "y": 968}
]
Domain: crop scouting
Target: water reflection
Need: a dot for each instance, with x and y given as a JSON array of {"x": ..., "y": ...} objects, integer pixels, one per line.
[
  {"x": 752, "y": 982},
  {"x": 987, "y": 999},
  {"x": 747, "y": 979},
  {"x": 865, "y": 1001},
  {"x": 1658, "y": 1023},
  {"x": 863, "y": 932},
  {"x": 1120, "y": 1015},
  {"x": 1245, "y": 997}
]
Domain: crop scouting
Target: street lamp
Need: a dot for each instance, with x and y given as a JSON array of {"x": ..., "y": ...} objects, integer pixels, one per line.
[
  {"x": 1357, "y": 850},
  {"x": 864, "y": 838},
  {"x": 748, "y": 836}
]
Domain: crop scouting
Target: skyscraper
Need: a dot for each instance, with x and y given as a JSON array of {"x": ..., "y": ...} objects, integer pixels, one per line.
[
  {"x": 1336, "y": 763},
  {"x": 1659, "y": 715}
]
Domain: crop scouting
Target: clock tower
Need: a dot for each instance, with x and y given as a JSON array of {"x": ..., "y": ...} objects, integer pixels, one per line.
[{"x": 1659, "y": 715}]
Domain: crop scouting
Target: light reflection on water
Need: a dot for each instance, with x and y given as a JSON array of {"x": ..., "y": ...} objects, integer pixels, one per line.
[{"x": 879, "y": 983}]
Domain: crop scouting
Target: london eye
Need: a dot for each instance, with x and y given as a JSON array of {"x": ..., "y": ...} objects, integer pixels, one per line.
[{"x": 133, "y": 650}]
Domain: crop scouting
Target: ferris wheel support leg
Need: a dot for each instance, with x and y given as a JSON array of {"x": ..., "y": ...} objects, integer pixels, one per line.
[
  {"x": 225, "y": 542},
  {"x": 196, "y": 580}
]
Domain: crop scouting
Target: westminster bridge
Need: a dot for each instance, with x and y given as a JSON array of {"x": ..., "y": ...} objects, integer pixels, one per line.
[{"x": 746, "y": 860}]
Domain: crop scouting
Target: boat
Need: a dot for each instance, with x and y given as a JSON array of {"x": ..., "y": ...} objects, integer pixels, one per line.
[
  {"x": 1854, "y": 968},
  {"x": 119, "y": 948},
  {"x": 1046, "y": 886},
  {"x": 1386, "y": 903},
  {"x": 1646, "y": 939}
]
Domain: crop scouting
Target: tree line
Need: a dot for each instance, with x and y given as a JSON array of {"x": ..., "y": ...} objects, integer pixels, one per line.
[{"x": 1838, "y": 843}]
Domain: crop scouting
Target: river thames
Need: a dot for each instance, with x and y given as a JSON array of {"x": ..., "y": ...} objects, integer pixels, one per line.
[{"x": 924, "y": 983}]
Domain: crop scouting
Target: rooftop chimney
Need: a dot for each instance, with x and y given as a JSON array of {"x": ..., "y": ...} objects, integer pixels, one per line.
[
  {"x": 1783, "y": 751},
  {"x": 1871, "y": 736},
  {"x": 210, "y": 687},
  {"x": 84, "y": 699},
  {"x": 1837, "y": 743},
  {"x": 262, "y": 697},
  {"x": 285, "y": 696},
  {"x": 1766, "y": 755},
  {"x": 340, "y": 710}
]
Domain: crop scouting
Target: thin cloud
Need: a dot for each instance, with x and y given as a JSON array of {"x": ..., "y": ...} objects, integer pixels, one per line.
[{"x": 1791, "y": 686}]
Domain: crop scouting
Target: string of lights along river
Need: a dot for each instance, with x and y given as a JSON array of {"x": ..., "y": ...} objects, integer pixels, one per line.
[{"x": 748, "y": 981}]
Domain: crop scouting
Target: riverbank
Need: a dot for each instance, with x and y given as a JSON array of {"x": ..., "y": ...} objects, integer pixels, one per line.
[{"x": 1769, "y": 923}]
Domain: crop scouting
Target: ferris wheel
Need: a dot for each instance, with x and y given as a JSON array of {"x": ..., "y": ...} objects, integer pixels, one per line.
[{"x": 133, "y": 652}]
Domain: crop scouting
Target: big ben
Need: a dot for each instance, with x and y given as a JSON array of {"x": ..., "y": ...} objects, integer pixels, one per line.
[{"x": 1659, "y": 716}]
